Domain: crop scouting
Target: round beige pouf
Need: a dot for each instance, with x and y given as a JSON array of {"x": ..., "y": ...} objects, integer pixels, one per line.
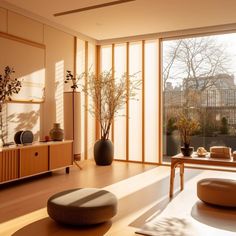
[
  {"x": 83, "y": 206},
  {"x": 221, "y": 192}
]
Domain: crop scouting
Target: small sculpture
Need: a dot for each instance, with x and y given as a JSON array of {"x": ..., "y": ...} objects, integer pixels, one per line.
[{"x": 201, "y": 152}]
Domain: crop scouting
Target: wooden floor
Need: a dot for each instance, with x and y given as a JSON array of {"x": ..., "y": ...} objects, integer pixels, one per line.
[{"x": 142, "y": 191}]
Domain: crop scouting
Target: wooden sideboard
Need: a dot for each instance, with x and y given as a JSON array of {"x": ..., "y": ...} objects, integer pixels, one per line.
[{"x": 21, "y": 161}]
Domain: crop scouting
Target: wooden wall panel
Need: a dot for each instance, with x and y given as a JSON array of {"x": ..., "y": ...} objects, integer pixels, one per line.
[
  {"x": 25, "y": 27},
  {"x": 59, "y": 58},
  {"x": 3, "y": 20}
]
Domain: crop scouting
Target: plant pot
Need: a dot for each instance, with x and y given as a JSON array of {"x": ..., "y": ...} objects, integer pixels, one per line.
[
  {"x": 103, "y": 152},
  {"x": 187, "y": 151}
]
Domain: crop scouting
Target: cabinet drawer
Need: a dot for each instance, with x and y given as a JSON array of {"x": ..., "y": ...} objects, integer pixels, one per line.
[
  {"x": 33, "y": 160},
  {"x": 9, "y": 165},
  {"x": 60, "y": 155}
]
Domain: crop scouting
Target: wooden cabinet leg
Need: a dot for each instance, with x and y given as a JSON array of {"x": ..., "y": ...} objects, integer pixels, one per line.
[
  {"x": 181, "y": 176},
  {"x": 67, "y": 170}
]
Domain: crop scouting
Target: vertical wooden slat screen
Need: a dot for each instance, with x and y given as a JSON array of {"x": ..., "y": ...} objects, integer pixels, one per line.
[
  {"x": 143, "y": 139},
  {"x": 86, "y": 104},
  {"x": 91, "y": 119},
  {"x": 80, "y": 68},
  {"x": 127, "y": 103},
  {"x": 113, "y": 73},
  {"x": 98, "y": 64},
  {"x": 159, "y": 89},
  {"x": 143, "y": 100}
]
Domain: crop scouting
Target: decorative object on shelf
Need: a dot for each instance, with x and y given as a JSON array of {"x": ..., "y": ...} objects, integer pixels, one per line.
[
  {"x": 201, "y": 152},
  {"x": 109, "y": 95},
  {"x": 186, "y": 126},
  {"x": 17, "y": 137},
  {"x": 8, "y": 87},
  {"x": 220, "y": 152},
  {"x": 56, "y": 133},
  {"x": 24, "y": 137}
]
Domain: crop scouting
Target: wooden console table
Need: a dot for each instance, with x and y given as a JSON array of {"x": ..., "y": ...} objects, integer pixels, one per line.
[
  {"x": 179, "y": 161},
  {"x": 21, "y": 161}
]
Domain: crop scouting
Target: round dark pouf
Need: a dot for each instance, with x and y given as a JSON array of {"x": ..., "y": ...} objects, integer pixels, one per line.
[
  {"x": 216, "y": 191},
  {"x": 85, "y": 206}
]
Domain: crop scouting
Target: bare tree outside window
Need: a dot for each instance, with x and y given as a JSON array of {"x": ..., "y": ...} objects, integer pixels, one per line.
[{"x": 198, "y": 76}]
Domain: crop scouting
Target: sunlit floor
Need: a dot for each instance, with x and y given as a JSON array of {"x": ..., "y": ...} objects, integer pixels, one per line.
[{"x": 142, "y": 191}]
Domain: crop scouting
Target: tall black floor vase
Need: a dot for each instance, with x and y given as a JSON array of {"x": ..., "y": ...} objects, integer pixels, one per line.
[{"x": 103, "y": 152}]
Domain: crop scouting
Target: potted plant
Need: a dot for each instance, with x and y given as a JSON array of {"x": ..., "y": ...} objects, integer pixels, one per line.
[
  {"x": 8, "y": 87},
  {"x": 186, "y": 126},
  {"x": 109, "y": 95}
]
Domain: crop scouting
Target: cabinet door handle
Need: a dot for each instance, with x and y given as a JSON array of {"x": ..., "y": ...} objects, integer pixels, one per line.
[{"x": 36, "y": 154}]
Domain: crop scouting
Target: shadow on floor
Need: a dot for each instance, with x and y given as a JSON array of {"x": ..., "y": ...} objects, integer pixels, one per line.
[
  {"x": 168, "y": 226},
  {"x": 151, "y": 194},
  {"x": 47, "y": 227},
  {"x": 217, "y": 217}
]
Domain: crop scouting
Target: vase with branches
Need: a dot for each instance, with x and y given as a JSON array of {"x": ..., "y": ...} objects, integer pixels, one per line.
[
  {"x": 108, "y": 95},
  {"x": 186, "y": 126},
  {"x": 8, "y": 86}
]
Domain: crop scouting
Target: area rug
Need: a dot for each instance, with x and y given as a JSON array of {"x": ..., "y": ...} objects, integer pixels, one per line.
[{"x": 186, "y": 215}]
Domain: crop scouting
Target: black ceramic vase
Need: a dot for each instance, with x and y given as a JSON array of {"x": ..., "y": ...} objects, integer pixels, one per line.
[
  {"x": 187, "y": 151},
  {"x": 103, "y": 152}
]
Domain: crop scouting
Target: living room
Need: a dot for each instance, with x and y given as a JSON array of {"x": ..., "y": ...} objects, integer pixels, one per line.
[{"x": 142, "y": 78}]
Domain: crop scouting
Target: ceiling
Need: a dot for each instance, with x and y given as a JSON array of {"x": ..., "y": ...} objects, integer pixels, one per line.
[{"x": 133, "y": 18}]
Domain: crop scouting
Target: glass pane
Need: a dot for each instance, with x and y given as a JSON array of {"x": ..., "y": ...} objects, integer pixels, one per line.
[
  {"x": 151, "y": 101},
  {"x": 106, "y": 64},
  {"x": 120, "y": 120},
  {"x": 135, "y": 106},
  {"x": 106, "y": 56},
  {"x": 199, "y": 81}
]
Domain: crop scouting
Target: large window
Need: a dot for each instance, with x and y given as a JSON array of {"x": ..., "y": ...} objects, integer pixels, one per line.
[{"x": 199, "y": 78}]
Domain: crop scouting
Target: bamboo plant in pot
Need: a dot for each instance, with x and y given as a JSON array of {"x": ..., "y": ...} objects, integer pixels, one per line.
[
  {"x": 186, "y": 126},
  {"x": 109, "y": 95}
]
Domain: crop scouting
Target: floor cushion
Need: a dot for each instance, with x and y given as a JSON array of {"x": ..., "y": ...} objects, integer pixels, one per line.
[
  {"x": 221, "y": 192},
  {"x": 82, "y": 206}
]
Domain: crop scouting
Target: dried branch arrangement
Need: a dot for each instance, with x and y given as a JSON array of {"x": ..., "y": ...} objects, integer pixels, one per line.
[
  {"x": 108, "y": 94},
  {"x": 8, "y": 87}
]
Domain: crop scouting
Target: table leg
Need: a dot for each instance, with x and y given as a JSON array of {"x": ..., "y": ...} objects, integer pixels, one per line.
[
  {"x": 172, "y": 179},
  {"x": 181, "y": 176}
]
